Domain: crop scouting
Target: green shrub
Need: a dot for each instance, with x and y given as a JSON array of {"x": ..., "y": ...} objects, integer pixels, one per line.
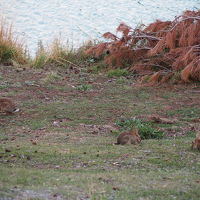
[
  {"x": 145, "y": 129},
  {"x": 6, "y": 53}
]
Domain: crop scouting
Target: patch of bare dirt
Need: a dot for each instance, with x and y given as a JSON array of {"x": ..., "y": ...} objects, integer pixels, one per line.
[{"x": 24, "y": 86}]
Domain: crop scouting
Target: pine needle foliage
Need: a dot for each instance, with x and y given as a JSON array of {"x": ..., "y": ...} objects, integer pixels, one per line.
[{"x": 159, "y": 50}]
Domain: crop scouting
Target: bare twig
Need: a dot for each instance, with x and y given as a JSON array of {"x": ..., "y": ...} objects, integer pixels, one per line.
[
  {"x": 147, "y": 36},
  {"x": 156, "y": 65},
  {"x": 70, "y": 62}
]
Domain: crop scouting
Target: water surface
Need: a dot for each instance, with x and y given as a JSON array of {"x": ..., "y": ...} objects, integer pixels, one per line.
[{"x": 80, "y": 20}]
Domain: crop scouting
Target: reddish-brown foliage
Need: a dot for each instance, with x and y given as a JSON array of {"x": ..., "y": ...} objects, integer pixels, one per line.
[
  {"x": 163, "y": 48},
  {"x": 109, "y": 35},
  {"x": 155, "y": 78},
  {"x": 97, "y": 50},
  {"x": 158, "y": 26},
  {"x": 124, "y": 29}
]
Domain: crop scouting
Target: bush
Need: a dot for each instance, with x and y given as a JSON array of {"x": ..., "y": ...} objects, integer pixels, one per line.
[
  {"x": 146, "y": 131},
  {"x": 6, "y": 53}
]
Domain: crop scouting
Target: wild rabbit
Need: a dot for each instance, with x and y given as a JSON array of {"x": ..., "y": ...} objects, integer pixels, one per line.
[
  {"x": 196, "y": 142},
  {"x": 131, "y": 137},
  {"x": 7, "y": 106}
]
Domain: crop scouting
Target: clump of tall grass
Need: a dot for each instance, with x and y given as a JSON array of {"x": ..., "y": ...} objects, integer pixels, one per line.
[
  {"x": 41, "y": 56},
  {"x": 11, "y": 47},
  {"x": 59, "y": 54}
]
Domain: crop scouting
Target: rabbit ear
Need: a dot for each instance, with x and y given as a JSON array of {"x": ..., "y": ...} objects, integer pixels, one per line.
[{"x": 16, "y": 110}]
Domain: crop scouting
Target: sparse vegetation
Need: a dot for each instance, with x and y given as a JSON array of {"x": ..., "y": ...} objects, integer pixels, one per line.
[
  {"x": 96, "y": 68},
  {"x": 51, "y": 76},
  {"x": 41, "y": 56},
  {"x": 117, "y": 73},
  {"x": 67, "y": 131},
  {"x": 83, "y": 87},
  {"x": 60, "y": 144}
]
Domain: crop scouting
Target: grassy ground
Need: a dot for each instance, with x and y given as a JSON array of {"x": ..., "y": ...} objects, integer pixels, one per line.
[{"x": 60, "y": 144}]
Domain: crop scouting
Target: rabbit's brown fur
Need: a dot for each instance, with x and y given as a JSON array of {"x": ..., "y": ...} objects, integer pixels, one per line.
[
  {"x": 131, "y": 137},
  {"x": 7, "y": 106},
  {"x": 196, "y": 142}
]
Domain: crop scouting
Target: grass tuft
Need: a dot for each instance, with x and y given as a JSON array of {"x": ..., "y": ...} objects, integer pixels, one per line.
[
  {"x": 84, "y": 87},
  {"x": 51, "y": 77},
  {"x": 41, "y": 56},
  {"x": 11, "y": 48},
  {"x": 117, "y": 73},
  {"x": 59, "y": 55},
  {"x": 146, "y": 130}
]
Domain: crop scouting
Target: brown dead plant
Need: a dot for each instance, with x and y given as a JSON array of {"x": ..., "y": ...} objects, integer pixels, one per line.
[{"x": 161, "y": 49}]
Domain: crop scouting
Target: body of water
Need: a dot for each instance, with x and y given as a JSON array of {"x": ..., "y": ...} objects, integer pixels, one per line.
[{"x": 81, "y": 20}]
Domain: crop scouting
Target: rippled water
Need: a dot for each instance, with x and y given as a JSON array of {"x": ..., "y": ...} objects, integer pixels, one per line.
[{"x": 80, "y": 20}]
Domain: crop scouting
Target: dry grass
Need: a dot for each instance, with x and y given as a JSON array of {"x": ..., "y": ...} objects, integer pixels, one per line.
[
  {"x": 11, "y": 47},
  {"x": 12, "y": 50},
  {"x": 59, "y": 54}
]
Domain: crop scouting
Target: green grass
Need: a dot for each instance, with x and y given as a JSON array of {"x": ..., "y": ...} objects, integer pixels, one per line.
[
  {"x": 57, "y": 144},
  {"x": 51, "y": 77},
  {"x": 117, "y": 73},
  {"x": 101, "y": 170},
  {"x": 39, "y": 61},
  {"x": 185, "y": 112},
  {"x": 6, "y": 53},
  {"x": 83, "y": 87}
]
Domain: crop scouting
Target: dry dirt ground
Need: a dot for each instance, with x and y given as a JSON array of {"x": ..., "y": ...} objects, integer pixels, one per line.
[{"x": 60, "y": 144}]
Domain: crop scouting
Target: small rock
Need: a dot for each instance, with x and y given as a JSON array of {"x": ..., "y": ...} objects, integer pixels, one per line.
[{"x": 55, "y": 123}]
